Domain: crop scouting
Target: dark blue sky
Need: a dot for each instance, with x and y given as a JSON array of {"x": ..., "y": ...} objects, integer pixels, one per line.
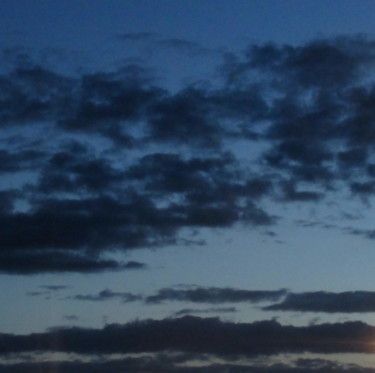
[{"x": 204, "y": 167}]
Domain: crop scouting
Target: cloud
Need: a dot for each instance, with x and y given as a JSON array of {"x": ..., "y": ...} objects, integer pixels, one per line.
[
  {"x": 7, "y": 199},
  {"x": 321, "y": 301},
  {"x": 137, "y": 36},
  {"x": 114, "y": 160},
  {"x": 211, "y": 295},
  {"x": 16, "y": 162},
  {"x": 179, "y": 363},
  {"x": 135, "y": 265},
  {"x": 313, "y": 64},
  {"x": 192, "y": 334},
  {"x": 52, "y": 261},
  {"x": 184, "y": 46},
  {"x": 367, "y": 233},
  {"x": 71, "y": 317},
  {"x": 54, "y": 287},
  {"x": 195, "y": 311},
  {"x": 156, "y": 42},
  {"x": 108, "y": 295},
  {"x": 67, "y": 172},
  {"x": 48, "y": 289},
  {"x": 214, "y": 295}
]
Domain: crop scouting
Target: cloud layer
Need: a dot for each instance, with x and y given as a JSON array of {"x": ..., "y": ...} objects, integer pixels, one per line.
[
  {"x": 114, "y": 161},
  {"x": 199, "y": 335}
]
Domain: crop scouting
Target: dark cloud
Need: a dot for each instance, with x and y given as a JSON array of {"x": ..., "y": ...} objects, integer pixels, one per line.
[
  {"x": 197, "y": 335},
  {"x": 137, "y": 36},
  {"x": 195, "y": 311},
  {"x": 67, "y": 172},
  {"x": 71, "y": 317},
  {"x": 315, "y": 63},
  {"x": 116, "y": 161},
  {"x": 356, "y": 157},
  {"x": 185, "y": 118},
  {"x": 7, "y": 199},
  {"x": 158, "y": 362},
  {"x": 211, "y": 295},
  {"x": 367, "y": 233},
  {"x": 135, "y": 265},
  {"x": 37, "y": 293},
  {"x": 16, "y": 162},
  {"x": 156, "y": 42},
  {"x": 214, "y": 295},
  {"x": 88, "y": 223},
  {"x": 108, "y": 295},
  {"x": 54, "y": 287},
  {"x": 33, "y": 93},
  {"x": 321, "y": 301},
  {"x": 364, "y": 189},
  {"x": 172, "y": 364},
  {"x": 183, "y": 45},
  {"x": 47, "y": 288},
  {"x": 103, "y": 223},
  {"x": 52, "y": 261}
]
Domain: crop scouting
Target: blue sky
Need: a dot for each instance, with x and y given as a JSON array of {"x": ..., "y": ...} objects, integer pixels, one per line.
[{"x": 179, "y": 176}]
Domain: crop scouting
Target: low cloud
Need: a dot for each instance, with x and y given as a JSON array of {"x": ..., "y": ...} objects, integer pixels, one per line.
[
  {"x": 321, "y": 301},
  {"x": 214, "y": 295},
  {"x": 108, "y": 295},
  {"x": 179, "y": 363},
  {"x": 195, "y": 311},
  {"x": 192, "y": 334},
  {"x": 26, "y": 263}
]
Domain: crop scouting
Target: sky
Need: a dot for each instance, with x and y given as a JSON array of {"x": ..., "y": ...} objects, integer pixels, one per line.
[{"x": 187, "y": 186}]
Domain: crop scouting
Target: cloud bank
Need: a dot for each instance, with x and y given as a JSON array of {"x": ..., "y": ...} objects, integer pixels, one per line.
[
  {"x": 199, "y": 335},
  {"x": 110, "y": 161}
]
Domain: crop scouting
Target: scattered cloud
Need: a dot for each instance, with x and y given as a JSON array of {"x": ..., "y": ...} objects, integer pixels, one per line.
[
  {"x": 211, "y": 295},
  {"x": 214, "y": 295},
  {"x": 54, "y": 287},
  {"x": 122, "y": 163},
  {"x": 321, "y": 301},
  {"x": 26, "y": 263},
  {"x": 195, "y": 311},
  {"x": 108, "y": 295},
  {"x": 71, "y": 317}
]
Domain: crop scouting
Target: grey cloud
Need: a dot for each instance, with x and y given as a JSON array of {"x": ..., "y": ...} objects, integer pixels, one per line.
[
  {"x": 320, "y": 301},
  {"x": 364, "y": 189},
  {"x": 48, "y": 261},
  {"x": 367, "y": 233},
  {"x": 54, "y": 287},
  {"x": 195, "y": 311},
  {"x": 135, "y": 265},
  {"x": 214, "y": 295},
  {"x": 71, "y": 317},
  {"x": 211, "y": 295},
  {"x": 105, "y": 295}
]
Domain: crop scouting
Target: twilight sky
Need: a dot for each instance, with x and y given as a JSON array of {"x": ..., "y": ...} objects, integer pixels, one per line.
[{"x": 187, "y": 186}]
